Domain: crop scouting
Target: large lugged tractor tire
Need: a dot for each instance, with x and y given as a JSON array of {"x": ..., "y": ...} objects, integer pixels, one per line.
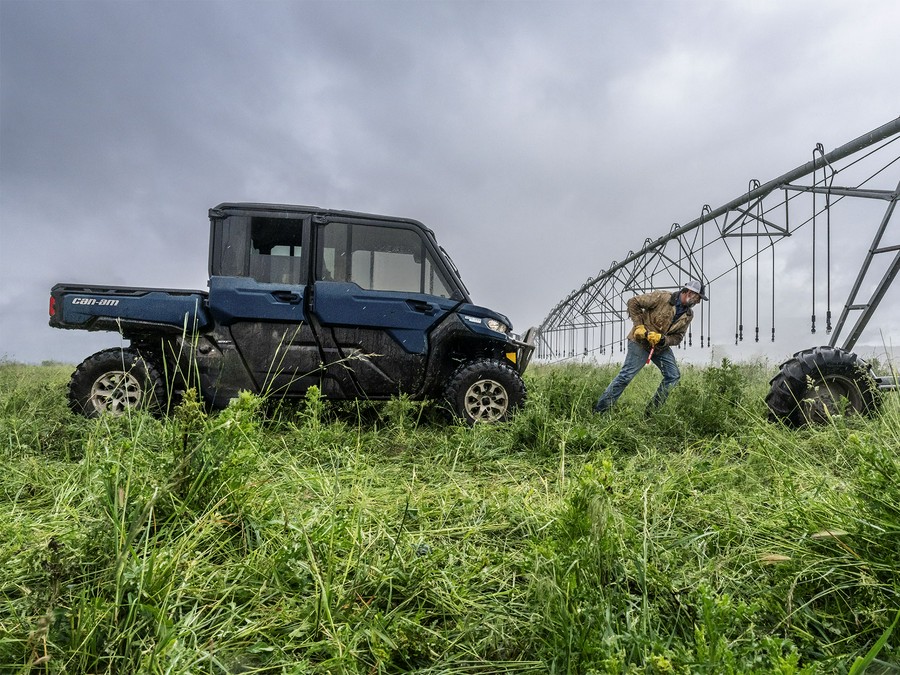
[
  {"x": 486, "y": 390},
  {"x": 819, "y": 383},
  {"x": 115, "y": 380}
]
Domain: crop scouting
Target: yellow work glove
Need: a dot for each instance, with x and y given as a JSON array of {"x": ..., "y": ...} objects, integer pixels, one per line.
[
  {"x": 653, "y": 338},
  {"x": 640, "y": 332}
]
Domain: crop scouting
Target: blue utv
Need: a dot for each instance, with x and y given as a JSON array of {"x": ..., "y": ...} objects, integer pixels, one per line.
[{"x": 360, "y": 305}]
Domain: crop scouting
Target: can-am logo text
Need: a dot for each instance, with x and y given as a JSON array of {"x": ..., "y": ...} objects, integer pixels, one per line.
[{"x": 101, "y": 302}]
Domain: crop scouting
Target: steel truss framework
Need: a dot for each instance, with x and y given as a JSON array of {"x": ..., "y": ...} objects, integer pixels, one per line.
[{"x": 738, "y": 240}]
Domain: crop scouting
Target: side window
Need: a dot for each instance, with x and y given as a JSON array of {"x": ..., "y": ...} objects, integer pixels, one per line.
[
  {"x": 378, "y": 259},
  {"x": 276, "y": 250}
]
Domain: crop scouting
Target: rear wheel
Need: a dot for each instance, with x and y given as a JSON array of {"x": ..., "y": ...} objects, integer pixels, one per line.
[
  {"x": 113, "y": 381},
  {"x": 821, "y": 382},
  {"x": 485, "y": 391}
]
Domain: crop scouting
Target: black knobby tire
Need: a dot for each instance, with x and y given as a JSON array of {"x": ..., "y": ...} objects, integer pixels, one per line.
[
  {"x": 115, "y": 380},
  {"x": 817, "y": 383},
  {"x": 486, "y": 390}
]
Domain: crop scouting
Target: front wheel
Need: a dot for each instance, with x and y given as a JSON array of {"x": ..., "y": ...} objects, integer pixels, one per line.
[
  {"x": 819, "y": 383},
  {"x": 484, "y": 391},
  {"x": 114, "y": 381}
]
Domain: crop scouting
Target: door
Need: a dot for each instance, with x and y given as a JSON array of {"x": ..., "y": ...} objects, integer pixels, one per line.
[
  {"x": 377, "y": 295},
  {"x": 265, "y": 309}
]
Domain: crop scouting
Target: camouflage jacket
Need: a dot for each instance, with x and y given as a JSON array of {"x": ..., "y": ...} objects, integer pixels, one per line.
[{"x": 656, "y": 311}]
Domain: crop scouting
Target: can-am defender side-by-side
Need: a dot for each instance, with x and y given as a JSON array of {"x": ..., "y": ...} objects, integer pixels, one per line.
[{"x": 360, "y": 305}]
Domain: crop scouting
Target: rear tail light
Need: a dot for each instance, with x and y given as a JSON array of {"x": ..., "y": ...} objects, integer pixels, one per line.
[{"x": 52, "y": 306}]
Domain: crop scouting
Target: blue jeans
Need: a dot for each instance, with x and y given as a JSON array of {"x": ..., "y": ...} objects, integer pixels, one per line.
[{"x": 635, "y": 359}]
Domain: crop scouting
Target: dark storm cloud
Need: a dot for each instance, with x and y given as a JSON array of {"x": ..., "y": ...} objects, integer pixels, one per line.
[{"x": 540, "y": 140}]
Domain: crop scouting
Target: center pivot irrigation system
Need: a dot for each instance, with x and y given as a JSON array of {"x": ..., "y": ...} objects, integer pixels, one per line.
[{"x": 732, "y": 250}]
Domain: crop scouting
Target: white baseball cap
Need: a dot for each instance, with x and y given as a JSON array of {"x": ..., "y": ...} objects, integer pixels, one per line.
[{"x": 697, "y": 287}]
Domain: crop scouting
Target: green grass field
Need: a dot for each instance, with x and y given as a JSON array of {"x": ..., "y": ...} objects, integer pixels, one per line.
[{"x": 326, "y": 538}]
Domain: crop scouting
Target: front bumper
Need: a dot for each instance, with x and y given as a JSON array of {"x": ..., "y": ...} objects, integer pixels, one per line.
[{"x": 523, "y": 349}]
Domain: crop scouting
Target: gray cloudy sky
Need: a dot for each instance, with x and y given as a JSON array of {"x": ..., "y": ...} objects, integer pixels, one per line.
[{"x": 540, "y": 140}]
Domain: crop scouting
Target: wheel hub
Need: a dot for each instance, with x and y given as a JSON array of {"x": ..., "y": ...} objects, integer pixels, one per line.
[
  {"x": 116, "y": 391},
  {"x": 486, "y": 401},
  {"x": 830, "y": 396}
]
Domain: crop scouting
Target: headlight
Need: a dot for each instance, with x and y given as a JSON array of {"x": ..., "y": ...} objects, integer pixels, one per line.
[
  {"x": 492, "y": 324},
  {"x": 498, "y": 326}
]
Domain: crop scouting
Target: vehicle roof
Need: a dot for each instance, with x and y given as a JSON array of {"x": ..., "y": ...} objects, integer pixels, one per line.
[{"x": 314, "y": 210}]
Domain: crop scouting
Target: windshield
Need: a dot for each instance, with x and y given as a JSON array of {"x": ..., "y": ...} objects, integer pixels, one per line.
[{"x": 455, "y": 270}]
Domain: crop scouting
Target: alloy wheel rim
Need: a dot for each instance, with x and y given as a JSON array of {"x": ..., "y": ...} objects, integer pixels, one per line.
[
  {"x": 116, "y": 391},
  {"x": 486, "y": 401}
]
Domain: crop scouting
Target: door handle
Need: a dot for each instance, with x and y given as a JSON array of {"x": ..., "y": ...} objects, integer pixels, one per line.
[
  {"x": 287, "y": 296},
  {"x": 420, "y": 306}
]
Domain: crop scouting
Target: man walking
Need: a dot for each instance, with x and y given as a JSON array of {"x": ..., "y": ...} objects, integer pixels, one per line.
[{"x": 660, "y": 321}]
